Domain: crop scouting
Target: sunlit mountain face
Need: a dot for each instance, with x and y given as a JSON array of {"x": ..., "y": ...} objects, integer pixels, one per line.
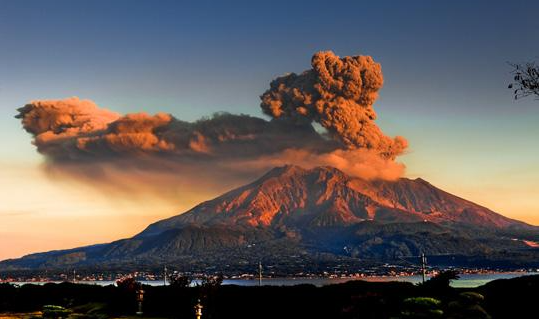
[
  {"x": 290, "y": 196},
  {"x": 318, "y": 213}
]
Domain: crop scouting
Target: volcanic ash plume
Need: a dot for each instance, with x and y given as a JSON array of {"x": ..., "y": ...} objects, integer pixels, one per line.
[
  {"x": 73, "y": 129},
  {"x": 160, "y": 153},
  {"x": 57, "y": 123},
  {"x": 338, "y": 94}
]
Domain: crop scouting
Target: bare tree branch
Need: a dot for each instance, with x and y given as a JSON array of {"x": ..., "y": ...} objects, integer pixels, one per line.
[{"x": 525, "y": 80}]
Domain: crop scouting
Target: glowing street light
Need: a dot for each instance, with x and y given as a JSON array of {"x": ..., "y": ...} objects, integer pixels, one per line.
[
  {"x": 140, "y": 299},
  {"x": 198, "y": 310}
]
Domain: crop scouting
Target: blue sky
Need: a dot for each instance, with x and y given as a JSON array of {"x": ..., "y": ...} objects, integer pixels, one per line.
[
  {"x": 444, "y": 63},
  {"x": 440, "y": 59}
]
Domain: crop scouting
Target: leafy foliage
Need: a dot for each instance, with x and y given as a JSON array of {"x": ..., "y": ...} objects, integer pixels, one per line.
[
  {"x": 422, "y": 307},
  {"x": 179, "y": 281},
  {"x": 442, "y": 280},
  {"x": 55, "y": 312},
  {"x": 509, "y": 298},
  {"x": 526, "y": 80},
  {"x": 128, "y": 284},
  {"x": 468, "y": 306}
]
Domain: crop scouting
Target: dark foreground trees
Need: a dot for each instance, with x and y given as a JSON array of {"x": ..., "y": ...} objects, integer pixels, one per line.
[{"x": 513, "y": 298}]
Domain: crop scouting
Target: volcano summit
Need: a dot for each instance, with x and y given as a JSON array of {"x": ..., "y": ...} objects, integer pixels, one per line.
[{"x": 318, "y": 214}]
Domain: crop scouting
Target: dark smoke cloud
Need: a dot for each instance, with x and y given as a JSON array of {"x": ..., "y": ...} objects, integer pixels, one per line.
[
  {"x": 338, "y": 94},
  {"x": 160, "y": 153},
  {"x": 73, "y": 129}
]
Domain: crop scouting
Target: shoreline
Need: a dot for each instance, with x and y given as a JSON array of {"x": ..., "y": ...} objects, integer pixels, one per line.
[{"x": 323, "y": 280}]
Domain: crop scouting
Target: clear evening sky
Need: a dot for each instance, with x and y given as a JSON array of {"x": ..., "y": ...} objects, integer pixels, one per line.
[{"x": 444, "y": 63}]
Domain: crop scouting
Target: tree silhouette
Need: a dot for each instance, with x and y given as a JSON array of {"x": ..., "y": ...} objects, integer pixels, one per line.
[
  {"x": 179, "y": 281},
  {"x": 128, "y": 284},
  {"x": 525, "y": 80},
  {"x": 442, "y": 280}
]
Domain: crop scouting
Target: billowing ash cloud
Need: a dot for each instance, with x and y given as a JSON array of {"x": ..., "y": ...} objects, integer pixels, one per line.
[
  {"x": 73, "y": 130},
  {"x": 339, "y": 94},
  {"x": 166, "y": 155},
  {"x": 57, "y": 124}
]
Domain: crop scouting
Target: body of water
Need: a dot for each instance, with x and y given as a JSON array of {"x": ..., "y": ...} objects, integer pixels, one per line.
[{"x": 465, "y": 281}]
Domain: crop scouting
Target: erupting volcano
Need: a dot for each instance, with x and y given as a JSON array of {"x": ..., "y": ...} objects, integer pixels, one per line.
[{"x": 309, "y": 211}]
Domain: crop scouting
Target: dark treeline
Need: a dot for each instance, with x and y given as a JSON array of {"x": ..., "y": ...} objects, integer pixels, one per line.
[{"x": 509, "y": 298}]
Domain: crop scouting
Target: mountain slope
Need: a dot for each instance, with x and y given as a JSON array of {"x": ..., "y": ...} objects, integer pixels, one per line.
[
  {"x": 292, "y": 212},
  {"x": 324, "y": 196}
]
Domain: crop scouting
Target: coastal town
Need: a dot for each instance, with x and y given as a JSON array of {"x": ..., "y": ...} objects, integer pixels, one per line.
[{"x": 387, "y": 272}]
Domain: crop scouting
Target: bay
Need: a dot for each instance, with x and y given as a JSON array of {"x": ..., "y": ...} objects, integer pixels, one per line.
[{"x": 465, "y": 281}]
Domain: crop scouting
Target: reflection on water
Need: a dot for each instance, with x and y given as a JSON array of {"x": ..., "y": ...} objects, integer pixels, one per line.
[{"x": 465, "y": 281}]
